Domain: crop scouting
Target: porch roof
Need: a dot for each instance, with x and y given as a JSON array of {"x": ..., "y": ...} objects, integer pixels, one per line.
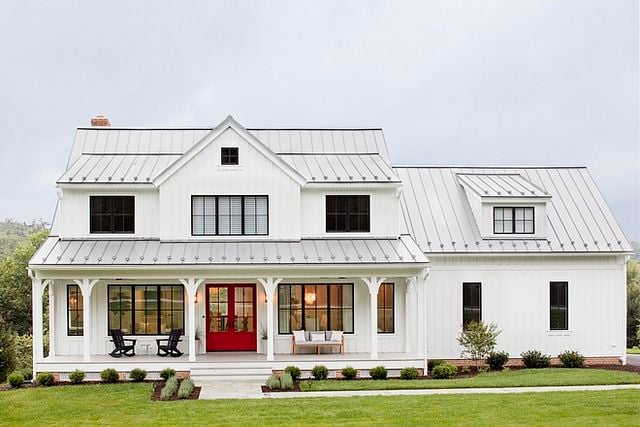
[{"x": 148, "y": 252}]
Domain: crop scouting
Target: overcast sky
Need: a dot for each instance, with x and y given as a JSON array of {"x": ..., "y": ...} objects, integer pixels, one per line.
[{"x": 475, "y": 82}]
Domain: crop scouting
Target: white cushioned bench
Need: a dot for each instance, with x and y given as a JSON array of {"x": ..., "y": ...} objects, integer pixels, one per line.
[{"x": 317, "y": 340}]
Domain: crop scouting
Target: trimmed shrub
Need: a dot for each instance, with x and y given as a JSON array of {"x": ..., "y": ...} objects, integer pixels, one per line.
[
  {"x": 320, "y": 372},
  {"x": 432, "y": 363},
  {"x": 45, "y": 379},
  {"x": 444, "y": 371},
  {"x": 286, "y": 382},
  {"x": 77, "y": 376},
  {"x": 349, "y": 373},
  {"x": 167, "y": 373},
  {"x": 186, "y": 388},
  {"x": 15, "y": 379},
  {"x": 497, "y": 359},
  {"x": 535, "y": 359},
  {"x": 27, "y": 374},
  {"x": 294, "y": 371},
  {"x": 109, "y": 376},
  {"x": 378, "y": 373},
  {"x": 410, "y": 373},
  {"x": 273, "y": 382},
  {"x": 170, "y": 388},
  {"x": 571, "y": 359},
  {"x": 137, "y": 375}
]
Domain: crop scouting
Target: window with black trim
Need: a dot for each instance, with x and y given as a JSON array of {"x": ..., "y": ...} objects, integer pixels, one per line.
[
  {"x": 112, "y": 214},
  {"x": 471, "y": 303},
  {"x": 229, "y": 156},
  {"x": 345, "y": 214},
  {"x": 229, "y": 215},
  {"x": 386, "y": 302},
  {"x": 315, "y": 307},
  {"x": 146, "y": 309},
  {"x": 75, "y": 313},
  {"x": 559, "y": 306},
  {"x": 511, "y": 220}
]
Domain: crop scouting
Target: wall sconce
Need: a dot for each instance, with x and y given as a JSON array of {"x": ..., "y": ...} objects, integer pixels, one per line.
[{"x": 195, "y": 298}]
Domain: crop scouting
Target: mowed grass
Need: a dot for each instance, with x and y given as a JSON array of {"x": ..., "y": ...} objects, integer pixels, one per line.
[
  {"x": 129, "y": 404},
  {"x": 515, "y": 378},
  {"x": 634, "y": 350}
]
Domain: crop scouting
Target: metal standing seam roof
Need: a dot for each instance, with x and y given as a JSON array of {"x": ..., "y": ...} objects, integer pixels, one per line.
[
  {"x": 341, "y": 167},
  {"x": 117, "y": 168},
  {"x": 437, "y": 214},
  {"x": 57, "y": 252},
  {"x": 500, "y": 185}
]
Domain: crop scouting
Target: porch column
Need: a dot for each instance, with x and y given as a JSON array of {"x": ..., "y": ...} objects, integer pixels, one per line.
[
  {"x": 52, "y": 323},
  {"x": 86, "y": 286},
  {"x": 191, "y": 286},
  {"x": 373, "y": 283},
  {"x": 270, "y": 284},
  {"x": 37, "y": 287},
  {"x": 409, "y": 315}
]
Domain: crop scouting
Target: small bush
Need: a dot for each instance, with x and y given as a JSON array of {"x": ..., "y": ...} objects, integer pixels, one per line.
[
  {"x": 571, "y": 359},
  {"x": 349, "y": 373},
  {"x": 320, "y": 372},
  {"x": 432, "y": 363},
  {"x": 444, "y": 371},
  {"x": 465, "y": 370},
  {"x": 378, "y": 373},
  {"x": 45, "y": 379},
  {"x": 109, "y": 376},
  {"x": 167, "y": 373},
  {"x": 497, "y": 359},
  {"x": 15, "y": 379},
  {"x": 186, "y": 388},
  {"x": 294, "y": 371},
  {"x": 535, "y": 359},
  {"x": 170, "y": 388},
  {"x": 286, "y": 382},
  {"x": 77, "y": 376},
  {"x": 273, "y": 382},
  {"x": 410, "y": 373},
  {"x": 137, "y": 375}
]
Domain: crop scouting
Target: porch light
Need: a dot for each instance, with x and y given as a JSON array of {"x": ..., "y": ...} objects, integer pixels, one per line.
[
  {"x": 195, "y": 298},
  {"x": 310, "y": 298}
]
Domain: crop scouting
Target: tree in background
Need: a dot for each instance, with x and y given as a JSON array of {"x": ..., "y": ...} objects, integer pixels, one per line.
[
  {"x": 7, "y": 350},
  {"x": 633, "y": 303}
]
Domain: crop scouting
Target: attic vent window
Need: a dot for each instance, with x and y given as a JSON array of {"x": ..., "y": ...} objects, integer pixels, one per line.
[{"x": 229, "y": 156}]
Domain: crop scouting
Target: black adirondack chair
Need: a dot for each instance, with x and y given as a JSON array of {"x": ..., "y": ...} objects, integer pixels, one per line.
[
  {"x": 171, "y": 346},
  {"x": 121, "y": 346}
]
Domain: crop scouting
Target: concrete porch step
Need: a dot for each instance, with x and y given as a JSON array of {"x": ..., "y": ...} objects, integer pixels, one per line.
[{"x": 224, "y": 373}]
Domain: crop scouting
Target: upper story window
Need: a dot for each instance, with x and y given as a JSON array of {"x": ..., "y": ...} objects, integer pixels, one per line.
[
  {"x": 347, "y": 214},
  {"x": 112, "y": 214},
  {"x": 511, "y": 220},
  {"x": 229, "y": 215},
  {"x": 229, "y": 156}
]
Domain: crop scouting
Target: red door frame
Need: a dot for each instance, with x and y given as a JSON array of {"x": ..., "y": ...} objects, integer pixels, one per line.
[{"x": 231, "y": 340}]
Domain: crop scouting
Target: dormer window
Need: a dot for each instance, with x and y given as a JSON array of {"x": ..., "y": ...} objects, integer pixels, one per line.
[
  {"x": 112, "y": 214},
  {"x": 512, "y": 220},
  {"x": 347, "y": 214},
  {"x": 229, "y": 156}
]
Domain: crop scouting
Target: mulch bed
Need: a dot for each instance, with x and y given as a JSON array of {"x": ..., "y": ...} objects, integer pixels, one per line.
[
  {"x": 157, "y": 387},
  {"x": 296, "y": 387}
]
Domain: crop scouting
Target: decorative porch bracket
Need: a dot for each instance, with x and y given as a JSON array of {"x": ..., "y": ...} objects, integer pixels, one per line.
[
  {"x": 86, "y": 287},
  {"x": 373, "y": 283},
  {"x": 191, "y": 285},
  {"x": 270, "y": 284},
  {"x": 37, "y": 289}
]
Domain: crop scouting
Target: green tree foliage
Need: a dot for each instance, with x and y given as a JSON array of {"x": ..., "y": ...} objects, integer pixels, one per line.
[
  {"x": 478, "y": 339},
  {"x": 15, "y": 284},
  {"x": 12, "y": 233},
  {"x": 633, "y": 303},
  {"x": 7, "y": 351}
]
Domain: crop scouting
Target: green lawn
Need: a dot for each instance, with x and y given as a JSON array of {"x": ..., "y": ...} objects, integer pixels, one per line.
[
  {"x": 516, "y": 378},
  {"x": 634, "y": 350},
  {"x": 129, "y": 404}
]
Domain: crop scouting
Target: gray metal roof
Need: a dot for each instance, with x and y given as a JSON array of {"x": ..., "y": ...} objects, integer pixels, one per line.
[
  {"x": 57, "y": 252},
  {"x": 438, "y": 216},
  {"x": 341, "y": 167},
  {"x": 500, "y": 185},
  {"x": 117, "y": 168}
]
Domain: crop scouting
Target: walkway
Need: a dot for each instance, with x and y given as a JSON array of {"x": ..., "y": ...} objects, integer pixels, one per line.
[{"x": 252, "y": 390}]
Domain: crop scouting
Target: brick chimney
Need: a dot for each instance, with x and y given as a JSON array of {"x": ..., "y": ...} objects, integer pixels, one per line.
[{"x": 100, "y": 121}]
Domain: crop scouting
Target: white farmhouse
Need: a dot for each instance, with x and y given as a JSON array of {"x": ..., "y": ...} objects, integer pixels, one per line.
[{"x": 238, "y": 239}]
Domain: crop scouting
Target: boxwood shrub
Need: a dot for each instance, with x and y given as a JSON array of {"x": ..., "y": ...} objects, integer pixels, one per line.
[
  {"x": 497, "y": 359},
  {"x": 77, "y": 376},
  {"x": 444, "y": 371},
  {"x": 409, "y": 373},
  {"x": 535, "y": 359},
  {"x": 294, "y": 371},
  {"x": 167, "y": 373},
  {"x": 378, "y": 373},
  {"x": 109, "y": 376},
  {"x": 320, "y": 372},
  {"x": 137, "y": 375},
  {"x": 45, "y": 379},
  {"x": 349, "y": 373},
  {"x": 571, "y": 359},
  {"x": 15, "y": 379},
  {"x": 432, "y": 363}
]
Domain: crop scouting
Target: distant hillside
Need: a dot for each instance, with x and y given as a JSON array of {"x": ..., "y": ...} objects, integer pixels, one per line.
[{"x": 12, "y": 233}]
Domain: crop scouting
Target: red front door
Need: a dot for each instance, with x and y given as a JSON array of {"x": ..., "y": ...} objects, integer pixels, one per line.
[{"x": 231, "y": 317}]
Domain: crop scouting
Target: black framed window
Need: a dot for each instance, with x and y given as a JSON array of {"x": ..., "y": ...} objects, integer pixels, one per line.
[
  {"x": 471, "y": 303},
  {"x": 75, "y": 313},
  {"x": 386, "y": 303},
  {"x": 229, "y": 215},
  {"x": 315, "y": 307},
  {"x": 112, "y": 214},
  {"x": 229, "y": 156},
  {"x": 347, "y": 214},
  {"x": 559, "y": 306},
  {"x": 511, "y": 220},
  {"x": 146, "y": 309}
]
